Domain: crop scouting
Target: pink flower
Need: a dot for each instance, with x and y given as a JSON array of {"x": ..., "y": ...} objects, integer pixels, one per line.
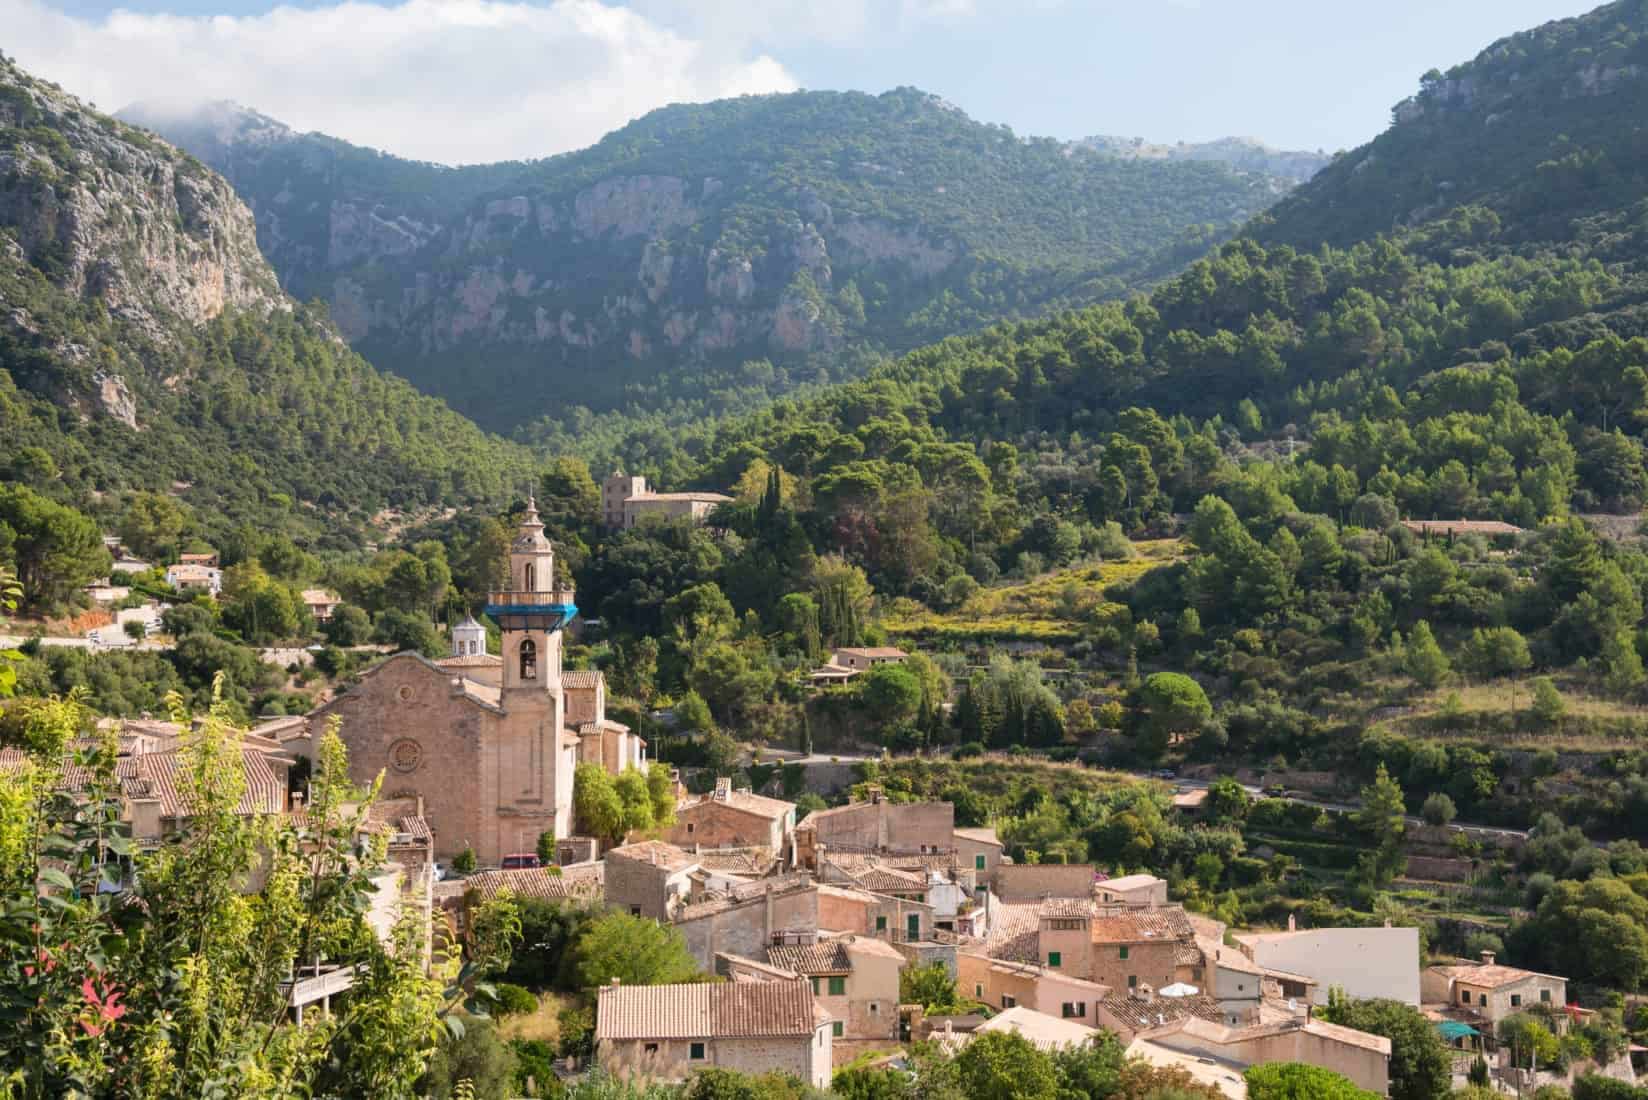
[{"x": 106, "y": 1006}]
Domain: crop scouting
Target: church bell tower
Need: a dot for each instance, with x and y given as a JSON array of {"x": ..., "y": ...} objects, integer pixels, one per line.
[{"x": 531, "y": 613}]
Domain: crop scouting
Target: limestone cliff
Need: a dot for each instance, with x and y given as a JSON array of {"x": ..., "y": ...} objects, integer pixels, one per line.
[{"x": 788, "y": 228}]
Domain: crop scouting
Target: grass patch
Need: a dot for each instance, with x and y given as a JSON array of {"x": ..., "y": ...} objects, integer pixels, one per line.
[{"x": 542, "y": 1023}]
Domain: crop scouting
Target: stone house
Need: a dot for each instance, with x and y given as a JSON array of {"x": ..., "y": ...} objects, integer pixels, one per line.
[
  {"x": 978, "y": 849},
  {"x": 1491, "y": 991},
  {"x": 1130, "y": 1013},
  {"x": 862, "y": 659},
  {"x": 728, "y": 818},
  {"x": 649, "y": 879},
  {"x": 668, "y": 1032},
  {"x": 745, "y": 920},
  {"x": 320, "y": 603},
  {"x": 877, "y": 825},
  {"x": 195, "y": 578},
  {"x": 627, "y": 500},
  {"x": 1357, "y": 1055},
  {"x": 1017, "y": 882},
  {"x": 855, "y": 980},
  {"x": 1004, "y": 984},
  {"x": 896, "y": 920},
  {"x": 492, "y": 760},
  {"x": 1139, "y": 890}
]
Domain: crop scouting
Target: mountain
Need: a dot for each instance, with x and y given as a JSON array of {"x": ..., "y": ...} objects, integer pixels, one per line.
[
  {"x": 1285, "y": 167},
  {"x": 813, "y": 232},
  {"x": 145, "y": 343},
  {"x": 1542, "y": 127}
]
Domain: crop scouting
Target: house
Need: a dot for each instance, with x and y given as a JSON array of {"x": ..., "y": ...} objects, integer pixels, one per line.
[
  {"x": 745, "y": 920},
  {"x": 627, "y": 500},
  {"x": 1225, "y": 1077},
  {"x": 320, "y": 603},
  {"x": 1362, "y": 1057},
  {"x": 1045, "y": 1032},
  {"x": 979, "y": 849},
  {"x": 1004, "y": 984},
  {"x": 877, "y": 825},
  {"x": 1130, "y": 1013},
  {"x": 894, "y": 919},
  {"x": 1489, "y": 990},
  {"x": 670, "y": 1031},
  {"x": 1365, "y": 962},
  {"x": 1014, "y": 882},
  {"x": 728, "y": 818},
  {"x": 649, "y": 879},
  {"x": 844, "y": 664},
  {"x": 1139, "y": 890},
  {"x": 1448, "y": 528},
  {"x": 208, "y": 559},
  {"x": 855, "y": 980},
  {"x": 195, "y": 578}
]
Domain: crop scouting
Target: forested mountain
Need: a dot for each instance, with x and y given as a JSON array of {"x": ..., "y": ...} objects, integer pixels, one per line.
[
  {"x": 1285, "y": 167},
  {"x": 809, "y": 232},
  {"x": 145, "y": 343},
  {"x": 1542, "y": 127}
]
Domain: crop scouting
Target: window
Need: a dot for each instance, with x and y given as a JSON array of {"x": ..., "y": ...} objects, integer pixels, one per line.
[
  {"x": 695, "y": 1052},
  {"x": 835, "y": 1028},
  {"x": 531, "y": 577},
  {"x": 1464, "y": 996},
  {"x": 1123, "y": 955},
  {"x": 1068, "y": 1010},
  {"x": 635, "y": 910},
  {"x": 1053, "y": 957},
  {"x": 1195, "y": 973},
  {"x": 875, "y": 1008},
  {"x": 881, "y": 924},
  {"x": 652, "y": 1048},
  {"x": 1481, "y": 998},
  {"x": 912, "y": 926},
  {"x": 1545, "y": 996},
  {"x": 815, "y": 987},
  {"x": 978, "y": 862},
  {"x": 529, "y": 659},
  {"x": 1240, "y": 988},
  {"x": 1132, "y": 981},
  {"x": 978, "y": 991},
  {"x": 1008, "y": 1000},
  {"x": 838, "y": 987},
  {"x": 691, "y": 827},
  {"x": 1516, "y": 1000}
]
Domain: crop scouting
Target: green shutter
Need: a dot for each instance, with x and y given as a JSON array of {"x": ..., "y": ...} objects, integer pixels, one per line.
[
  {"x": 838, "y": 987},
  {"x": 978, "y": 862},
  {"x": 696, "y": 1052},
  {"x": 1053, "y": 958},
  {"x": 835, "y": 1029},
  {"x": 1124, "y": 952}
]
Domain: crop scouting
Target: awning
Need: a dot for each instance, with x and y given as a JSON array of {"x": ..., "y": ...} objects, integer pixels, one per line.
[{"x": 1453, "y": 1029}]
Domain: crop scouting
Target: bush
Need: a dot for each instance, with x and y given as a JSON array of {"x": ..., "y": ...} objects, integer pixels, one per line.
[
  {"x": 968, "y": 750},
  {"x": 464, "y": 862},
  {"x": 514, "y": 1000},
  {"x": 1438, "y": 809},
  {"x": 1297, "y": 1081},
  {"x": 535, "y": 1068}
]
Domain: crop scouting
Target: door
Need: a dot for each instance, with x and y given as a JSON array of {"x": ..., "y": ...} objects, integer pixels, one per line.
[{"x": 912, "y": 926}]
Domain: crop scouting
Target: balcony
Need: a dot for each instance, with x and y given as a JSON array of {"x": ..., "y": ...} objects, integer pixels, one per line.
[
  {"x": 558, "y": 597},
  {"x": 532, "y": 610}
]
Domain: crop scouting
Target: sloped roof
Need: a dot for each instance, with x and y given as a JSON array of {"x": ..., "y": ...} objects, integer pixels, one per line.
[
  {"x": 1490, "y": 975},
  {"x": 886, "y": 651},
  {"x": 582, "y": 679},
  {"x": 1043, "y": 1031},
  {"x": 576, "y": 880},
  {"x": 886, "y": 880},
  {"x": 1139, "y": 1014},
  {"x": 980, "y": 835},
  {"x": 825, "y": 957},
  {"x": 472, "y": 660},
  {"x": 1013, "y": 930},
  {"x": 1142, "y": 925},
  {"x": 656, "y": 853},
  {"x": 746, "y": 801},
  {"x": 1129, "y": 882},
  {"x": 730, "y": 1010}
]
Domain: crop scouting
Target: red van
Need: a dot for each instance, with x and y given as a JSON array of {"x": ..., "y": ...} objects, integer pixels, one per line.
[{"x": 519, "y": 860}]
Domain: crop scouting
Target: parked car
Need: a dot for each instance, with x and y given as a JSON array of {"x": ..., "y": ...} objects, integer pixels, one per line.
[
  {"x": 520, "y": 860},
  {"x": 1274, "y": 790}
]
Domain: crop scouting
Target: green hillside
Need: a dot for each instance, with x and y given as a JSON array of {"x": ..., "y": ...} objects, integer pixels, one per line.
[
  {"x": 810, "y": 233},
  {"x": 144, "y": 344}
]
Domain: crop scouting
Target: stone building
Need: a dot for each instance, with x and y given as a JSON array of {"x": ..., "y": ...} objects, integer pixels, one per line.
[
  {"x": 855, "y": 980},
  {"x": 1489, "y": 991},
  {"x": 668, "y": 1032},
  {"x": 626, "y": 500},
  {"x": 489, "y": 743},
  {"x": 649, "y": 879},
  {"x": 733, "y": 818}
]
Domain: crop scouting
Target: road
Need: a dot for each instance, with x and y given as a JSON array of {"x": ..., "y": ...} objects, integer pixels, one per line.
[
  {"x": 1335, "y": 807},
  {"x": 12, "y": 641}
]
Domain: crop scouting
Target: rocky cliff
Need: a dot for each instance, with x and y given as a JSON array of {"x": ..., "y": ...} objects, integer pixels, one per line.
[{"x": 798, "y": 229}]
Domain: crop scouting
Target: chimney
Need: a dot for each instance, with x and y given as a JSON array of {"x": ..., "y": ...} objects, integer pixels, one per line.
[
  {"x": 1487, "y": 958},
  {"x": 1293, "y": 923},
  {"x": 723, "y": 788}
]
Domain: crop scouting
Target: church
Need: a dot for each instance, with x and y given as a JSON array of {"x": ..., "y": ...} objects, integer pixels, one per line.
[{"x": 490, "y": 743}]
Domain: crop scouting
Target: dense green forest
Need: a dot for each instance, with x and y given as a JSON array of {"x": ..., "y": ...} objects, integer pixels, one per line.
[{"x": 810, "y": 233}]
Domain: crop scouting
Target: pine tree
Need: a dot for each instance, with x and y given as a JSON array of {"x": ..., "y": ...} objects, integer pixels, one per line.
[{"x": 1423, "y": 659}]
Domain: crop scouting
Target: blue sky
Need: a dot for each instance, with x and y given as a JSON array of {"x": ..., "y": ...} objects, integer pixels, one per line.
[{"x": 473, "y": 80}]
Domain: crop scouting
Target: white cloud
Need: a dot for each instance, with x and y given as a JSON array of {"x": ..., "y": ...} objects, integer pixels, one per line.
[{"x": 456, "y": 81}]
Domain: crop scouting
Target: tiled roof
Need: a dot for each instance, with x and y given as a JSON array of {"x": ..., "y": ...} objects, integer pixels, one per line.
[
  {"x": 885, "y": 880},
  {"x": 1065, "y": 907},
  {"x": 159, "y": 775},
  {"x": 885, "y": 651},
  {"x": 1489, "y": 976},
  {"x": 1141, "y": 925},
  {"x": 826, "y": 957},
  {"x": 1013, "y": 930},
  {"x": 605, "y": 725},
  {"x": 472, "y": 660},
  {"x": 313, "y": 596},
  {"x": 980, "y": 836},
  {"x": 577, "y": 880},
  {"x": 1461, "y": 526},
  {"x": 1041, "y": 1030},
  {"x": 750, "y": 803},
  {"x": 737, "y": 861},
  {"x": 729, "y": 1010},
  {"x": 1139, "y": 1014},
  {"x": 582, "y": 679},
  {"x": 657, "y": 853},
  {"x": 747, "y": 894},
  {"x": 712, "y": 498}
]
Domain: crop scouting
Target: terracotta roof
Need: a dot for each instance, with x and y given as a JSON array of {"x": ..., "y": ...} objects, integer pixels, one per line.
[
  {"x": 576, "y": 880},
  {"x": 1140, "y": 926},
  {"x": 827, "y": 957},
  {"x": 656, "y": 853},
  {"x": 873, "y": 651},
  {"x": 472, "y": 660},
  {"x": 713, "y": 498},
  {"x": 729, "y": 1010},
  {"x": 885, "y": 880},
  {"x": 1139, "y": 1014},
  {"x": 980, "y": 836},
  {"x": 737, "y": 861},
  {"x": 1041, "y": 1030},
  {"x": 748, "y": 802},
  {"x": 605, "y": 725},
  {"x": 1065, "y": 907},
  {"x": 747, "y": 894},
  {"x": 1013, "y": 931},
  {"x": 159, "y": 775},
  {"x": 319, "y": 596},
  {"x": 1489, "y": 976},
  {"x": 582, "y": 679}
]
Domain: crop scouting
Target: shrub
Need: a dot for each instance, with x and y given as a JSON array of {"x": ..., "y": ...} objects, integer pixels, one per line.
[
  {"x": 1438, "y": 809},
  {"x": 514, "y": 1000}
]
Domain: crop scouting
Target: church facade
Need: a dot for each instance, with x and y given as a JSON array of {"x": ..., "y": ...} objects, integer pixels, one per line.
[{"x": 489, "y": 742}]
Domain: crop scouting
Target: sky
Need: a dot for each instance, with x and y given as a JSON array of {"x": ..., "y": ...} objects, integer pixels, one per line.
[{"x": 473, "y": 81}]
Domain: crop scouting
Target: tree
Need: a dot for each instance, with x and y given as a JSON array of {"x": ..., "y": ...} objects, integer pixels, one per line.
[
  {"x": 1004, "y": 1065},
  {"x": 548, "y": 931},
  {"x": 1228, "y": 800},
  {"x": 153, "y": 524},
  {"x": 931, "y": 987},
  {"x": 1420, "y": 1066},
  {"x": 721, "y": 753},
  {"x": 54, "y": 548},
  {"x": 692, "y": 714},
  {"x": 477, "y": 1056},
  {"x": 596, "y": 802},
  {"x": 1168, "y": 703},
  {"x": 1382, "y": 819},
  {"x": 1495, "y": 651},
  {"x": 635, "y": 799},
  {"x": 892, "y": 694},
  {"x": 546, "y": 847},
  {"x": 1548, "y": 705},
  {"x": 1422, "y": 658},
  {"x": 1438, "y": 809},
  {"x": 1298, "y": 1081},
  {"x": 407, "y": 631},
  {"x": 732, "y": 678},
  {"x": 464, "y": 863},
  {"x": 661, "y": 792},
  {"x": 348, "y": 626},
  {"x": 635, "y": 950}
]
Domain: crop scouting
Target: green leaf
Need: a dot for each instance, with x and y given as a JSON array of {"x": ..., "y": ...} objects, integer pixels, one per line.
[{"x": 51, "y": 876}]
